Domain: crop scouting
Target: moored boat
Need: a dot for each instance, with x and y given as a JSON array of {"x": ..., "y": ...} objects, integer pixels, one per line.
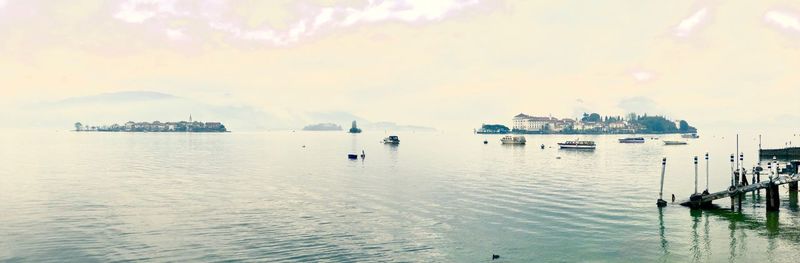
[
  {"x": 690, "y": 135},
  {"x": 632, "y": 140},
  {"x": 513, "y": 140},
  {"x": 675, "y": 143},
  {"x": 391, "y": 140},
  {"x": 581, "y": 145}
]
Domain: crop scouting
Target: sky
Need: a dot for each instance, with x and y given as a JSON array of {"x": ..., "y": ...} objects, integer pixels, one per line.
[{"x": 448, "y": 64}]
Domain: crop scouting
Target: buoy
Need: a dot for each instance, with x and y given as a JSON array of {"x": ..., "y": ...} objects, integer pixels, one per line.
[
  {"x": 363, "y": 154},
  {"x": 542, "y": 146},
  {"x": 485, "y": 142}
]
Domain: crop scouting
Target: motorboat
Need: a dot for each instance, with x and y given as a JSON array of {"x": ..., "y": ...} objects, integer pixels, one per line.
[
  {"x": 675, "y": 143},
  {"x": 632, "y": 140},
  {"x": 582, "y": 145},
  {"x": 391, "y": 140},
  {"x": 690, "y": 136},
  {"x": 513, "y": 140}
]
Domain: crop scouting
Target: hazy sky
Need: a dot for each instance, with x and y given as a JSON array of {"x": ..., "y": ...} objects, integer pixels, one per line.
[{"x": 448, "y": 63}]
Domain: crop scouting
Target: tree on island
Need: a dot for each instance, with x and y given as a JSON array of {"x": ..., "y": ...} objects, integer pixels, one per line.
[
  {"x": 78, "y": 126},
  {"x": 594, "y": 117}
]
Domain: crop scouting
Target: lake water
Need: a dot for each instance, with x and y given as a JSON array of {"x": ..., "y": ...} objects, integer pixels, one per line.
[{"x": 436, "y": 197}]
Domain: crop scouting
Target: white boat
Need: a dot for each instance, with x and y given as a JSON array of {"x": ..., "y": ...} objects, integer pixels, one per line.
[
  {"x": 391, "y": 140},
  {"x": 690, "y": 135},
  {"x": 675, "y": 143},
  {"x": 582, "y": 145},
  {"x": 632, "y": 140},
  {"x": 513, "y": 140}
]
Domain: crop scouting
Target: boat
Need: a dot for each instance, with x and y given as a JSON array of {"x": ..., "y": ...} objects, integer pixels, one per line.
[
  {"x": 582, "y": 145},
  {"x": 632, "y": 140},
  {"x": 391, "y": 140},
  {"x": 675, "y": 143},
  {"x": 352, "y": 156},
  {"x": 690, "y": 135},
  {"x": 513, "y": 140}
]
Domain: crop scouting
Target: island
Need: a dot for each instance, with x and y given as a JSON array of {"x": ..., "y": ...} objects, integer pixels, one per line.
[
  {"x": 591, "y": 123},
  {"x": 156, "y": 126},
  {"x": 493, "y": 129},
  {"x": 323, "y": 127}
]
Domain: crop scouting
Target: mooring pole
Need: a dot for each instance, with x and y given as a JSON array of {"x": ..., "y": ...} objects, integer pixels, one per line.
[
  {"x": 733, "y": 181},
  {"x": 695, "y": 175},
  {"x": 661, "y": 202},
  {"x": 733, "y": 178},
  {"x": 773, "y": 199},
  {"x": 706, "y": 173}
]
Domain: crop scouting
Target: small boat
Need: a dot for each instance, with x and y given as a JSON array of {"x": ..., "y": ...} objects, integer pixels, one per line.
[
  {"x": 485, "y": 142},
  {"x": 352, "y": 156},
  {"x": 513, "y": 140},
  {"x": 690, "y": 135},
  {"x": 542, "y": 146},
  {"x": 675, "y": 143},
  {"x": 632, "y": 140},
  {"x": 391, "y": 140},
  {"x": 582, "y": 145}
]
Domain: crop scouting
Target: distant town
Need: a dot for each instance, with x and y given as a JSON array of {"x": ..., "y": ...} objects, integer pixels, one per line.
[
  {"x": 156, "y": 126},
  {"x": 590, "y": 123}
]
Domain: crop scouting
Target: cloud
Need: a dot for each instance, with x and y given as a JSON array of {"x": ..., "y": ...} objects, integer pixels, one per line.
[
  {"x": 175, "y": 34},
  {"x": 688, "y": 25},
  {"x": 342, "y": 17},
  {"x": 308, "y": 24},
  {"x": 139, "y": 11},
  {"x": 783, "y": 20}
]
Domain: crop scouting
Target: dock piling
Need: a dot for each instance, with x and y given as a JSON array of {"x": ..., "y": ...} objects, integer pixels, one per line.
[
  {"x": 661, "y": 202},
  {"x": 695, "y": 175},
  {"x": 706, "y": 174}
]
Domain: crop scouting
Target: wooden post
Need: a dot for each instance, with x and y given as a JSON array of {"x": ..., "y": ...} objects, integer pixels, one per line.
[
  {"x": 733, "y": 181},
  {"x": 695, "y": 175},
  {"x": 773, "y": 197},
  {"x": 706, "y": 173},
  {"x": 661, "y": 202}
]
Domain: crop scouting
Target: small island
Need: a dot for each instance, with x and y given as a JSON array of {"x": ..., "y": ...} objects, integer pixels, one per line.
[
  {"x": 354, "y": 128},
  {"x": 493, "y": 129},
  {"x": 323, "y": 127},
  {"x": 156, "y": 126}
]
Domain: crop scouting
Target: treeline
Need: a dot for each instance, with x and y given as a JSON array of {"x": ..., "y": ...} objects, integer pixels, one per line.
[{"x": 644, "y": 123}]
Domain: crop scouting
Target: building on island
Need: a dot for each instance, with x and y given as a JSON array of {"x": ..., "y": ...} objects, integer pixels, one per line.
[{"x": 531, "y": 124}]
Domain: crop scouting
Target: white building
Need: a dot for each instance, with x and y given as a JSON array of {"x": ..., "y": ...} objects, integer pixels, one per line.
[{"x": 525, "y": 123}]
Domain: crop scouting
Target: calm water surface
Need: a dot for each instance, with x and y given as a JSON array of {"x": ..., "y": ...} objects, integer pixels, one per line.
[{"x": 437, "y": 197}]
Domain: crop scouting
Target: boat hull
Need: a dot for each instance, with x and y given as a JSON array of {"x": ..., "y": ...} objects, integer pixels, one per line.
[{"x": 576, "y": 147}]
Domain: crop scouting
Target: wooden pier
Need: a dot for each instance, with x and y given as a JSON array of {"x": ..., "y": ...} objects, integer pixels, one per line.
[
  {"x": 739, "y": 185},
  {"x": 773, "y": 197}
]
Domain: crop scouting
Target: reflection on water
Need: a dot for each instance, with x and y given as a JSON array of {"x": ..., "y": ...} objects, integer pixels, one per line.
[{"x": 439, "y": 198}]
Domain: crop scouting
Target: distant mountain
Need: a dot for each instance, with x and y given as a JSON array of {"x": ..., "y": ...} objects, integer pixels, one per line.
[
  {"x": 323, "y": 127},
  {"x": 149, "y": 106},
  {"x": 118, "y": 97},
  {"x": 120, "y": 107}
]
